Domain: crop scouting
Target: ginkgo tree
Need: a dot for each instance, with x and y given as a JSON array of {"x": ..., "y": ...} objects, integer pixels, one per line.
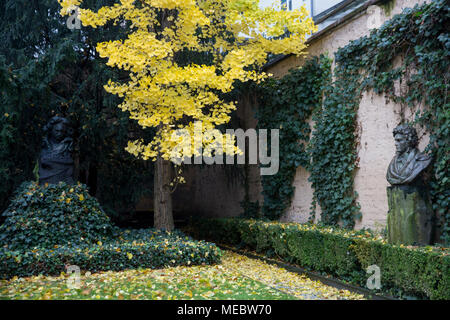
[{"x": 161, "y": 92}]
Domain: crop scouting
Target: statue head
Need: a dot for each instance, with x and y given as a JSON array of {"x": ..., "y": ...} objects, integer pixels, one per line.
[
  {"x": 405, "y": 138},
  {"x": 57, "y": 129}
]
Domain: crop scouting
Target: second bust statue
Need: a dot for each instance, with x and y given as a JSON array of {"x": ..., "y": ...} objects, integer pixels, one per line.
[
  {"x": 408, "y": 162},
  {"x": 55, "y": 162}
]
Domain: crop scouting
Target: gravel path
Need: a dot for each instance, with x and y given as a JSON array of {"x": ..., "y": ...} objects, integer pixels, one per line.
[{"x": 292, "y": 283}]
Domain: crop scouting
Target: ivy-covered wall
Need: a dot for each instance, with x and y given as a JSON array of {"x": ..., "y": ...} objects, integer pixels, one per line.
[
  {"x": 398, "y": 72},
  {"x": 335, "y": 159}
]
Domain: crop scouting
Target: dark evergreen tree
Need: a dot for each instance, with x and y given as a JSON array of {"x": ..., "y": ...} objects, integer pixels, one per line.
[{"x": 48, "y": 69}]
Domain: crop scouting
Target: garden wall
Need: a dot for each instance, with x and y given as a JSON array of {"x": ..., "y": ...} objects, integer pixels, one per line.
[{"x": 376, "y": 120}]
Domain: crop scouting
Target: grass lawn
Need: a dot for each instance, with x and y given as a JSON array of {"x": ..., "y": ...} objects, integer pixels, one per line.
[{"x": 238, "y": 277}]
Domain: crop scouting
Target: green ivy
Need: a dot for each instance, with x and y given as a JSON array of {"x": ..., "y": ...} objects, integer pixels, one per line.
[
  {"x": 333, "y": 149},
  {"x": 287, "y": 104}
]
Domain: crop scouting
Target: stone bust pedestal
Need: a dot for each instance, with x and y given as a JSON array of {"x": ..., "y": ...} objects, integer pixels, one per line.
[
  {"x": 410, "y": 217},
  {"x": 55, "y": 162}
]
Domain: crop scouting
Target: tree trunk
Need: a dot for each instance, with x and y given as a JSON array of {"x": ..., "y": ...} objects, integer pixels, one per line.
[{"x": 162, "y": 198}]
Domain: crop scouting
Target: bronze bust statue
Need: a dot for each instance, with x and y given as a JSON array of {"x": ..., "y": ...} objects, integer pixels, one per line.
[
  {"x": 55, "y": 162},
  {"x": 409, "y": 162},
  {"x": 410, "y": 218}
]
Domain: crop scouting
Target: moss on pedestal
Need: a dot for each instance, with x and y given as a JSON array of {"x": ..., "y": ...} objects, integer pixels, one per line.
[{"x": 410, "y": 216}]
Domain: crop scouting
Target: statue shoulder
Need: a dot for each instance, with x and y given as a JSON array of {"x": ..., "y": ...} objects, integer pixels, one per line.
[{"x": 423, "y": 157}]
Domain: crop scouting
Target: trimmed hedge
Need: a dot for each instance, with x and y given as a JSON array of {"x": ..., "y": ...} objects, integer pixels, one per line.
[
  {"x": 146, "y": 248},
  {"x": 422, "y": 272}
]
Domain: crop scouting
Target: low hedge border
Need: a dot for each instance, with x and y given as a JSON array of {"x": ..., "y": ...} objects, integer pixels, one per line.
[
  {"x": 423, "y": 272},
  {"x": 133, "y": 249}
]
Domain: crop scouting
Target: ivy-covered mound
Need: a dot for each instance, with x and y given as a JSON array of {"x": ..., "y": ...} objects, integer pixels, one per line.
[
  {"x": 49, "y": 215},
  {"x": 51, "y": 227}
]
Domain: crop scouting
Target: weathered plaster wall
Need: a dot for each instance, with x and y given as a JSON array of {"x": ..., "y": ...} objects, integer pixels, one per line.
[
  {"x": 211, "y": 192},
  {"x": 376, "y": 120}
]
